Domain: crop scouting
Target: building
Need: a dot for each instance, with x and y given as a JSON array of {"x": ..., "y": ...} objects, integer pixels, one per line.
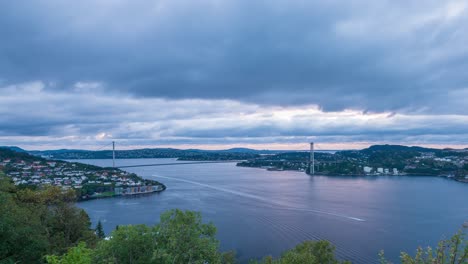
[
  {"x": 367, "y": 169},
  {"x": 380, "y": 170}
]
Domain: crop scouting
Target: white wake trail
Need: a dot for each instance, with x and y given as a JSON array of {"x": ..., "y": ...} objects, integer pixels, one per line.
[{"x": 263, "y": 199}]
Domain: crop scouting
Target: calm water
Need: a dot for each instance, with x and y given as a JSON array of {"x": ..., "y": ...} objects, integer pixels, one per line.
[{"x": 259, "y": 212}]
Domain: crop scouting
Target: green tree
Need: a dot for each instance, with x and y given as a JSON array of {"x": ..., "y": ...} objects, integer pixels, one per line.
[
  {"x": 185, "y": 239},
  {"x": 229, "y": 257},
  {"x": 75, "y": 255},
  {"x": 448, "y": 251},
  {"x": 180, "y": 237},
  {"x": 99, "y": 230},
  {"x": 36, "y": 223},
  {"x": 128, "y": 244},
  {"x": 23, "y": 238},
  {"x": 68, "y": 226},
  {"x": 308, "y": 252}
]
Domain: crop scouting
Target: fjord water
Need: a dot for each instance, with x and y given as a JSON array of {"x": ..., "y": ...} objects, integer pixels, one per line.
[{"x": 259, "y": 212}]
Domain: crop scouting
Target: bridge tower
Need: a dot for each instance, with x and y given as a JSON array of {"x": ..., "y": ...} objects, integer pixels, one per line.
[
  {"x": 312, "y": 159},
  {"x": 113, "y": 154}
]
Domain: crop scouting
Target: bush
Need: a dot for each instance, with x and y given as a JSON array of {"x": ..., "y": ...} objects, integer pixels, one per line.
[
  {"x": 449, "y": 251},
  {"x": 308, "y": 252}
]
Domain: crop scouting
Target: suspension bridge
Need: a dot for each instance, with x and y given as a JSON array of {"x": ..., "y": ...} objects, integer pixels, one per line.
[
  {"x": 159, "y": 164},
  {"x": 178, "y": 163},
  {"x": 311, "y": 160}
]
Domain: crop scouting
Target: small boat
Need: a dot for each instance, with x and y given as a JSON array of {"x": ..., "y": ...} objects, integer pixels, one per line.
[
  {"x": 275, "y": 169},
  {"x": 465, "y": 225}
]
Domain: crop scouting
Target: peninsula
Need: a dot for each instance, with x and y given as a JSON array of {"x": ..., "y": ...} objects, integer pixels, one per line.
[{"x": 88, "y": 181}]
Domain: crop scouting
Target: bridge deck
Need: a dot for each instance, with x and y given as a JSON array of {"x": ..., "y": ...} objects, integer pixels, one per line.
[{"x": 177, "y": 163}]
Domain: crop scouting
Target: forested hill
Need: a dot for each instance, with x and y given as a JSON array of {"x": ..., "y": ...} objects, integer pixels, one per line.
[
  {"x": 401, "y": 148},
  {"x": 15, "y": 156},
  {"x": 189, "y": 154}
]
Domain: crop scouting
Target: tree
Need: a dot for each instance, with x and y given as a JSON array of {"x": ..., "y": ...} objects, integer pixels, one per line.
[
  {"x": 36, "y": 223},
  {"x": 229, "y": 257},
  {"x": 310, "y": 252},
  {"x": 128, "y": 244},
  {"x": 99, "y": 230},
  {"x": 23, "y": 238},
  {"x": 450, "y": 251},
  {"x": 183, "y": 238},
  {"x": 75, "y": 255},
  {"x": 180, "y": 237}
]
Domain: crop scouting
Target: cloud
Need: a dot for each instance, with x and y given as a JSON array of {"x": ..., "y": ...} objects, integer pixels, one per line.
[
  {"x": 41, "y": 118},
  {"x": 217, "y": 73},
  {"x": 405, "y": 56}
]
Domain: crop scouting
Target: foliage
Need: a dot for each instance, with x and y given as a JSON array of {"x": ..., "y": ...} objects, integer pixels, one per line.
[
  {"x": 180, "y": 237},
  {"x": 229, "y": 257},
  {"x": 79, "y": 254},
  {"x": 128, "y": 244},
  {"x": 22, "y": 235},
  {"x": 186, "y": 239},
  {"x": 449, "y": 251},
  {"x": 36, "y": 223},
  {"x": 309, "y": 252},
  {"x": 99, "y": 230}
]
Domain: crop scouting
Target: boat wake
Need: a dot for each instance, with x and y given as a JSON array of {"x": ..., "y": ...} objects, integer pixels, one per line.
[{"x": 263, "y": 199}]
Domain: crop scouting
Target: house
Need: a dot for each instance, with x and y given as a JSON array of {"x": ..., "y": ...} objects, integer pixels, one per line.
[{"x": 367, "y": 169}]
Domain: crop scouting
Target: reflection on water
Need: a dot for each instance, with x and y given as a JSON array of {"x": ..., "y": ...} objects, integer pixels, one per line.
[{"x": 261, "y": 212}]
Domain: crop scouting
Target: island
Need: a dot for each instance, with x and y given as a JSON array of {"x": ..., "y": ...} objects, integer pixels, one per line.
[
  {"x": 375, "y": 160},
  {"x": 88, "y": 181}
]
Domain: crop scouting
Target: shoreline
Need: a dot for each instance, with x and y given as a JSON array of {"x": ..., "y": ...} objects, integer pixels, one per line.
[
  {"x": 163, "y": 188},
  {"x": 363, "y": 175}
]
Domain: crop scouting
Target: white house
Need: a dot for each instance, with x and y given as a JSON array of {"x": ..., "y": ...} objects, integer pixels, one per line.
[{"x": 367, "y": 169}]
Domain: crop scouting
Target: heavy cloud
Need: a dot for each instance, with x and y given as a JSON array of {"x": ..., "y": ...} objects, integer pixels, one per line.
[
  {"x": 233, "y": 72},
  {"x": 367, "y": 55}
]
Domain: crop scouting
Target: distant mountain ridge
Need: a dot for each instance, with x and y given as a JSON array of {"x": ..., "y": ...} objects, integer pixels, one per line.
[
  {"x": 189, "y": 154},
  {"x": 398, "y": 148},
  {"x": 199, "y": 154}
]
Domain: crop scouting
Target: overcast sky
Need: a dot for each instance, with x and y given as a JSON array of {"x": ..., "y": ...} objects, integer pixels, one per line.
[{"x": 218, "y": 73}]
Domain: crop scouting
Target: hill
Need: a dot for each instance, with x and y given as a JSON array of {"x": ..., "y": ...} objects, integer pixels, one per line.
[
  {"x": 12, "y": 154},
  {"x": 189, "y": 154},
  {"x": 400, "y": 148},
  {"x": 15, "y": 148}
]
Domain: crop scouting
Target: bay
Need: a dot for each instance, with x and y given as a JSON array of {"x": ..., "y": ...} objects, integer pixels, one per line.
[{"x": 259, "y": 212}]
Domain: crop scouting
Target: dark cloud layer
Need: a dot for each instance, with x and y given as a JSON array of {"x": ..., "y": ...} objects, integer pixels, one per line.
[
  {"x": 75, "y": 73},
  {"x": 370, "y": 55}
]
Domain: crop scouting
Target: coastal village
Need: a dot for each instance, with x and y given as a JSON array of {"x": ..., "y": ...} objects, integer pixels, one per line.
[
  {"x": 377, "y": 160},
  {"x": 426, "y": 160},
  {"x": 87, "y": 180}
]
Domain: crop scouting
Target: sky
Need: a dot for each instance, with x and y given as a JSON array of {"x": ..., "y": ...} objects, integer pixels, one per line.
[{"x": 212, "y": 74}]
